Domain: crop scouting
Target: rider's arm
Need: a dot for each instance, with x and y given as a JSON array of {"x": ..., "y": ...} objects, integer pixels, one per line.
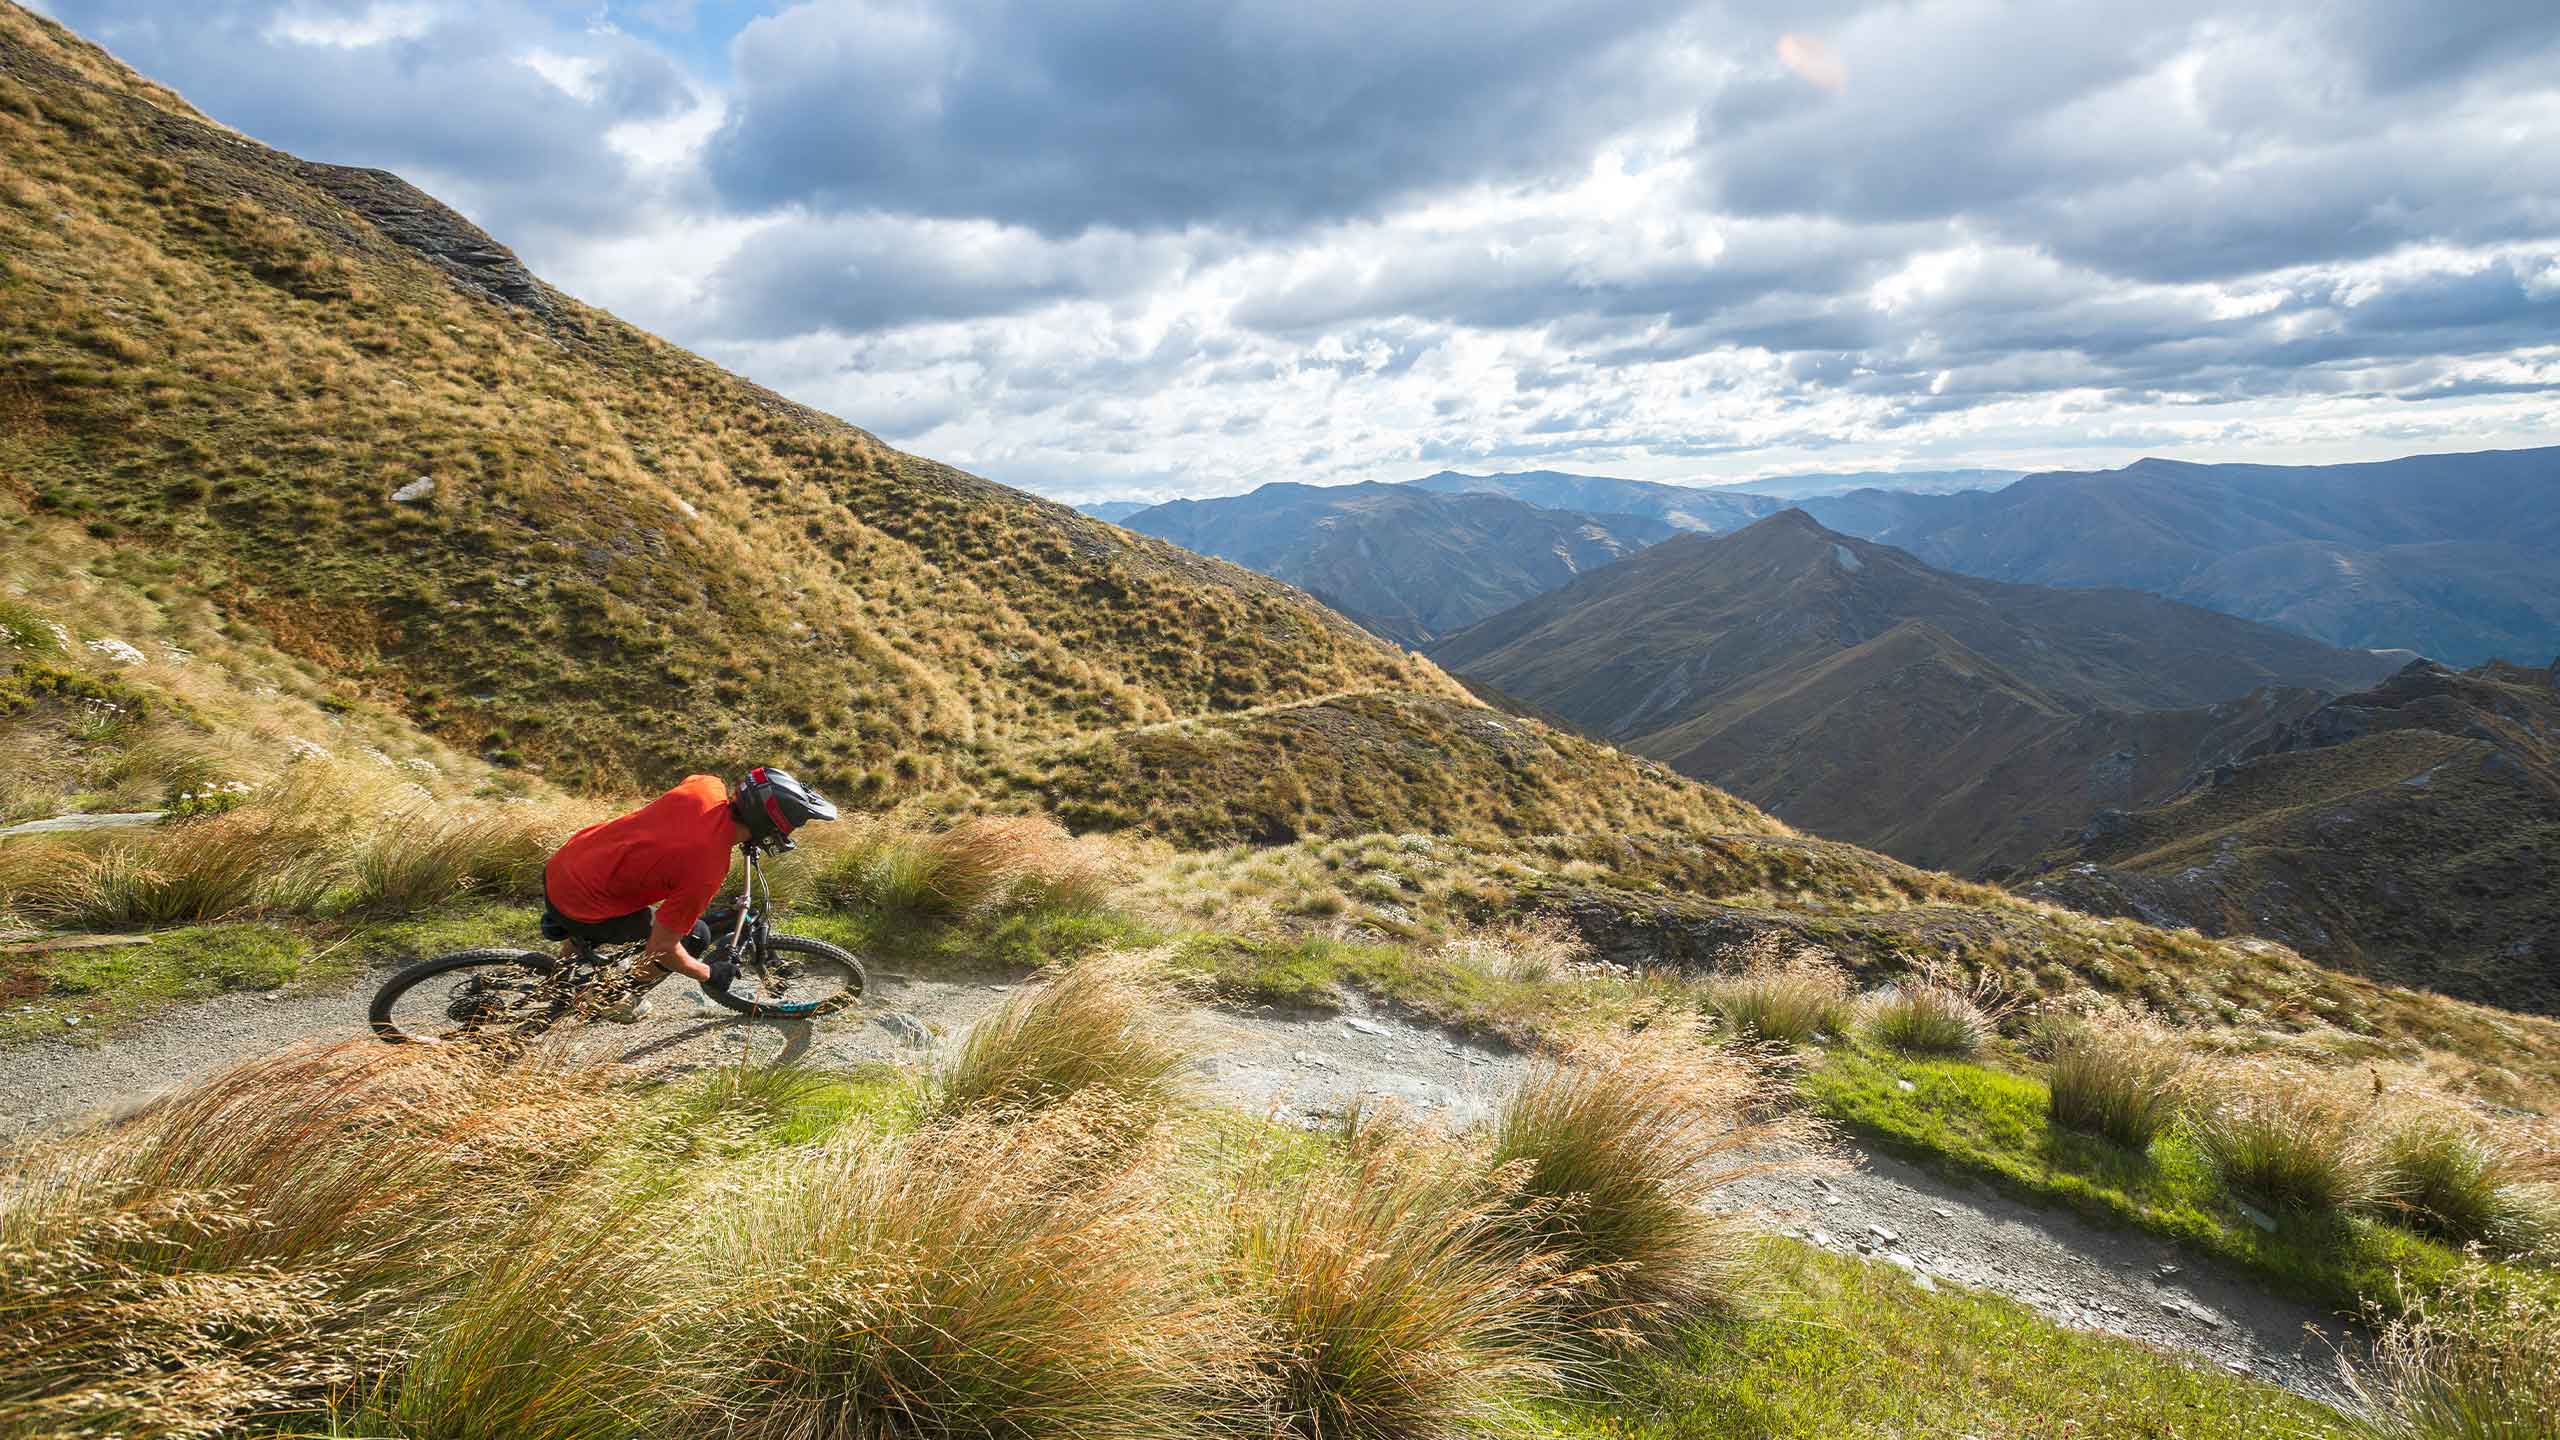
[{"x": 666, "y": 950}]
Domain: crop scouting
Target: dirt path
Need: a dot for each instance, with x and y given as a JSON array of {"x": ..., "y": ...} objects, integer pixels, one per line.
[{"x": 1305, "y": 1066}]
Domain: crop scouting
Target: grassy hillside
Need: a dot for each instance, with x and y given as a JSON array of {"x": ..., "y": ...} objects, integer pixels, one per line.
[
  {"x": 1358, "y": 763},
  {"x": 122, "y": 692},
  {"x": 225, "y": 361},
  {"x": 2411, "y": 831}
]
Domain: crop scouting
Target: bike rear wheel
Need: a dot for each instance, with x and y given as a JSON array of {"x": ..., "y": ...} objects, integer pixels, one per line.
[
  {"x": 808, "y": 978},
  {"x": 468, "y": 992}
]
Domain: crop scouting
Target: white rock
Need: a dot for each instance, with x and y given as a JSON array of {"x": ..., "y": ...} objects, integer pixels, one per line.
[
  {"x": 301, "y": 749},
  {"x": 1366, "y": 1027},
  {"x": 118, "y": 651},
  {"x": 416, "y": 490}
]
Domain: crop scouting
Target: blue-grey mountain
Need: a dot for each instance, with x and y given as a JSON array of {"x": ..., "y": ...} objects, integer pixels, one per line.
[
  {"x": 2454, "y": 556},
  {"x": 1410, "y": 564}
]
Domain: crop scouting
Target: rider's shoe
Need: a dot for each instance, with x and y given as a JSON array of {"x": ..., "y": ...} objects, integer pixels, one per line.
[{"x": 630, "y": 1013}]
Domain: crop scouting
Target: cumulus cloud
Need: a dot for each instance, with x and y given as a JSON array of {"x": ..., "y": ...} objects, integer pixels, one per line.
[{"x": 1128, "y": 247}]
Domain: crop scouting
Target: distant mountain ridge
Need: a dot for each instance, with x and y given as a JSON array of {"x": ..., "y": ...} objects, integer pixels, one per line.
[
  {"x": 1952, "y": 721},
  {"x": 1917, "y": 482},
  {"x": 1408, "y": 564},
  {"x": 2410, "y": 830},
  {"x": 1683, "y": 507},
  {"x": 2454, "y": 556}
]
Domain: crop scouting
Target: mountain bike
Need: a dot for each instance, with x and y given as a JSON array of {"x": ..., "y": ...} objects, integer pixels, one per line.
[{"x": 519, "y": 994}]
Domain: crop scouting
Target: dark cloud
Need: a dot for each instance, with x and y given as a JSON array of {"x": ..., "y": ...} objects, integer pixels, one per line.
[
  {"x": 1139, "y": 114},
  {"x": 872, "y": 271}
]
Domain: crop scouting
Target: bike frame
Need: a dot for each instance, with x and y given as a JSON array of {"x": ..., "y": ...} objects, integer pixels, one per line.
[{"x": 755, "y": 905}]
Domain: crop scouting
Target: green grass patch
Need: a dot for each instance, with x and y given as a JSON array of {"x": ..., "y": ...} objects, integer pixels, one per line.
[
  {"x": 1019, "y": 942},
  {"x": 104, "y": 986},
  {"x": 1994, "y": 1124},
  {"x": 439, "y": 932},
  {"x": 1849, "y": 1349},
  {"x": 1319, "y": 973}
]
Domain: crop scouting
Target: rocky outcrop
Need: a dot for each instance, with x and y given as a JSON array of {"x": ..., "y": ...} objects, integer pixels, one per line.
[{"x": 435, "y": 232}]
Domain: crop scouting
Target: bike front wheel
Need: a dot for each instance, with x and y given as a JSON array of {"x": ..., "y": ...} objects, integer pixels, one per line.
[
  {"x": 471, "y": 991},
  {"x": 807, "y": 978}
]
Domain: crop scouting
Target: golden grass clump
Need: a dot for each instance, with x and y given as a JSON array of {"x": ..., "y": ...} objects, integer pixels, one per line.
[
  {"x": 1615, "y": 1149},
  {"x": 2478, "y": 1360},
  {"x": 1532, "y": 950},
  {"x": 981, "y": 1277},
  {"x": 2124, "y": 1079},
  {"x": 1931, "y": 1012},
  {"x": 2291, "y": 1137},
  {"x": 2452, "y": 1172},
  {"x": 1388, "y": 1299},
  {"x": 566, "y": 1332},
  {"x": 324, "y": 837},
  {"x": 266, "y": 1236},
  {"x": 1784, "y": 999},
  {"x": 1106, "y": 1026},
  {"x": 979, "y": 866},
  {"x": 424, "y": 854}
]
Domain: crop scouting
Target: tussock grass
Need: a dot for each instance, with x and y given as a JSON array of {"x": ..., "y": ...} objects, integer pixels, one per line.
[
  {"x": 980, "y": 1277},
  {"x": 1934, "y": 1013},
  {"x": 1102, "y": 1027},
  {"x": 2478, "y": 1361},
  {"x": 972, "y": 869},
  {"x": 564, "y": 1333},
  {"x": 1386, "y": 1297},
  {"x": 1531, "y": 950},
  {"x": 2449, "y": 1172},
  {"x": 2291, "y": 1137},
  {"x": 326, "y": 838},
  {"x": 2121, "y": 1079},
  {"x": 425, "y": 855},
  {"x": 1613, "y": 1151},
  {"x": 278, "y": 1231},
  {"x": 1784, "y": 999}
]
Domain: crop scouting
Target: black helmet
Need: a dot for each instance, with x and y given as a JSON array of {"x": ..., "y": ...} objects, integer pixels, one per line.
[{"x": 771, "y": 805}]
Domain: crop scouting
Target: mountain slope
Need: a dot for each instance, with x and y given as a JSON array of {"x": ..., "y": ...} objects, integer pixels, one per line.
[
  {"x": 2457, "y": 556},
  {"x": 2410, "y": 831},
  {"x": 629, "y": 563},
  {"x": 1864, "y": 695},
  {"x": 1410, "y": 564},
  {"x": 1682, "y": 507}
]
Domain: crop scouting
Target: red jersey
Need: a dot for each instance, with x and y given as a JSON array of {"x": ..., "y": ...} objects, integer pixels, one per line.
[{"x": 672, "y": 852}]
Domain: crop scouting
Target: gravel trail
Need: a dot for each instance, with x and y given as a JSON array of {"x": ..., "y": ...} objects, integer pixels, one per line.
[{"x": 1305, "y": 1066}]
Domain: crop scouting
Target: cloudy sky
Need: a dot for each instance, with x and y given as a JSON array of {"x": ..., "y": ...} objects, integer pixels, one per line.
[{"x": 1110, "y": 248}]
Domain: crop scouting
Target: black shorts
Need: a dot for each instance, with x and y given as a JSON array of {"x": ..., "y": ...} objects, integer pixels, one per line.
[{"x": 629, "y": 929}]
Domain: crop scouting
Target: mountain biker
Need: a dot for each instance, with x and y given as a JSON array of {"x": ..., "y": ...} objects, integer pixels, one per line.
[{"x": 650, "y": 874}]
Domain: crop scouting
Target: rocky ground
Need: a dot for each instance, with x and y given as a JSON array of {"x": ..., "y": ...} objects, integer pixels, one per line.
[{"x": 1305, "y": 1067}]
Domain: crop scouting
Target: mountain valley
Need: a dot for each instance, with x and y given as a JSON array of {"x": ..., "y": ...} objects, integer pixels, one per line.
[
  {"x": 2410, "y": 831},
  {"x": 1956, "y": 722}
]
